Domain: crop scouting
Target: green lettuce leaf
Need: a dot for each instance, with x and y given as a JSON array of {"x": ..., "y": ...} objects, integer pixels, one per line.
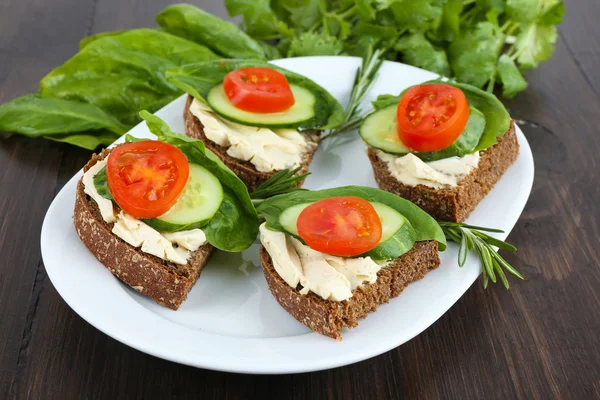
[
  {"x": 235, "y": 225},
  {"x": 425, "y": 226},
  {"x": 197, "y": 80},
  {"x": 222, "y": 37}
]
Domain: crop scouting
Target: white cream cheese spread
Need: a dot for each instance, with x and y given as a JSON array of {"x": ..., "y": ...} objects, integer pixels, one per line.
[
  {"x": 267, "y": 149},
  {"x": 175, "y": 247},
  {"x": 330, "y": 277},
  {"x": 412, "y": 171}
]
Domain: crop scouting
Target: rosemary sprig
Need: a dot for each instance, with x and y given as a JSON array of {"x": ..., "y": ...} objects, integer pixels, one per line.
[
  {"x": 470, "y": 238},
  {"x": 284, "y": 181},
  {"x": 363, "y": 81}
]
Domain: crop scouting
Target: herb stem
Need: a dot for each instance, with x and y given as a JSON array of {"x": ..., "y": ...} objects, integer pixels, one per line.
[{"x": 473, "y": 238}]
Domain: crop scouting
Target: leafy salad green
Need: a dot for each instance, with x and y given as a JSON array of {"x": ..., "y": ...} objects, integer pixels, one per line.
[{"x": 116, "y": 74}]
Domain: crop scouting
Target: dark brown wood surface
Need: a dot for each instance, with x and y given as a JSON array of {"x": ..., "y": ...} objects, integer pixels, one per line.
[{"x": 540, "y": 340}]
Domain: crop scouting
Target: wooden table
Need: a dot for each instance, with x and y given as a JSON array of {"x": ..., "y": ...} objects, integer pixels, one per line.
[{"x": 539, "y": 340}]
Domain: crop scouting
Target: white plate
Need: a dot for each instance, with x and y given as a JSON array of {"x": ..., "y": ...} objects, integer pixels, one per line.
[{"x": 230, "y": 321}]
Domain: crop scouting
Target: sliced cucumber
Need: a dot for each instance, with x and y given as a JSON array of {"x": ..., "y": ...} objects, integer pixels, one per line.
[
  {"x": 397, "y": 236},
  {"x": 288, "y": 219},
  {"x": 199, "y": 201},
  {"x": 380, "y": 130},
  {"x": 302, "y": 111}
]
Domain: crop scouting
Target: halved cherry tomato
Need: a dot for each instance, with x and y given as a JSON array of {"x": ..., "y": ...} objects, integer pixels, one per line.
[
  {"x": 259, "y": 90},
  {"x": 341, "y": 226},
  {"x": 146, "y": 178},
  {"x": 432, "y": 116}
]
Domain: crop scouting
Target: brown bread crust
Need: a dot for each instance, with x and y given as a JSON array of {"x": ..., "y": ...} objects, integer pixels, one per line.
[
  {"x": 243, "y": 169},
  {"x": 329, "y": 317},
  {"x": 454, "y": 204},
  {"x": 166, "y": 283}
]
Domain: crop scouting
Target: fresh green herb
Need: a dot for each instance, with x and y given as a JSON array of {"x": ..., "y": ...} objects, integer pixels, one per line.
[
  {"x": 363, "y": 81},
  {"x": 284, "y": 181},
  {"x": 481, "y": 42},
  {"x": 235, "y": 225},
  {"x": 474, "y": 238}
]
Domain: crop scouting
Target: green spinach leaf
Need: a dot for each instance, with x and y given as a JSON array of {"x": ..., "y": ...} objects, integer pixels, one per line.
[
  {"x": 88, "y": 140},
  {"x": 223, "y": 37},
  {"x": 425, "y": 226},
  {"x": 124, "y": 73},
  {"x": 197, "y": 79},
  {"x": 235, "y": 225},
  {"x": 36, "y": 116}
]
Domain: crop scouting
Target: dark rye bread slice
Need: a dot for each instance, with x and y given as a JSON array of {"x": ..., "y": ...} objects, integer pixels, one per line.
[
  {"x": 165, "y": 282},
  {"x": 245, "y": 170},
  {"x": 454, "y": 204},
  {"x": 330, "y": 317}
]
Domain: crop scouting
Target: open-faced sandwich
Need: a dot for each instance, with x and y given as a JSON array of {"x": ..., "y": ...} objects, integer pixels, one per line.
[
  {"x": 152, "y": 211},
  {"x": 332, "y": 256},
  {"x": 441, "y": 145},
  {"x": 257, "y": 118}
]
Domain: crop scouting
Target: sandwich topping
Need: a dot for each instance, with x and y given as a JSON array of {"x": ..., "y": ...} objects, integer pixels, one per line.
[
  {"x": 174, "y": 247},
  {"x": 267, "y": 149},
  {"x": 333, "y": 241},
  {"x": 432, "y": 133},
  {"x": 330, "y": 277},
  {"x": 412, "y": 171}
]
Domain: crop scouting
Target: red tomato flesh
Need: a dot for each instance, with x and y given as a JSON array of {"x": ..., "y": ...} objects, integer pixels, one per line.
[
  {"x": 259, "y": 90},
  {"x": 341, "y": 226},
  {"x": 432, "y": 116},
  {"x": 146, "y": 178}
]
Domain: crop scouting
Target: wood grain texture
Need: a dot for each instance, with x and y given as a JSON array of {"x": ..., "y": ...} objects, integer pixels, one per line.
[{"x": 538, "y": 340}]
